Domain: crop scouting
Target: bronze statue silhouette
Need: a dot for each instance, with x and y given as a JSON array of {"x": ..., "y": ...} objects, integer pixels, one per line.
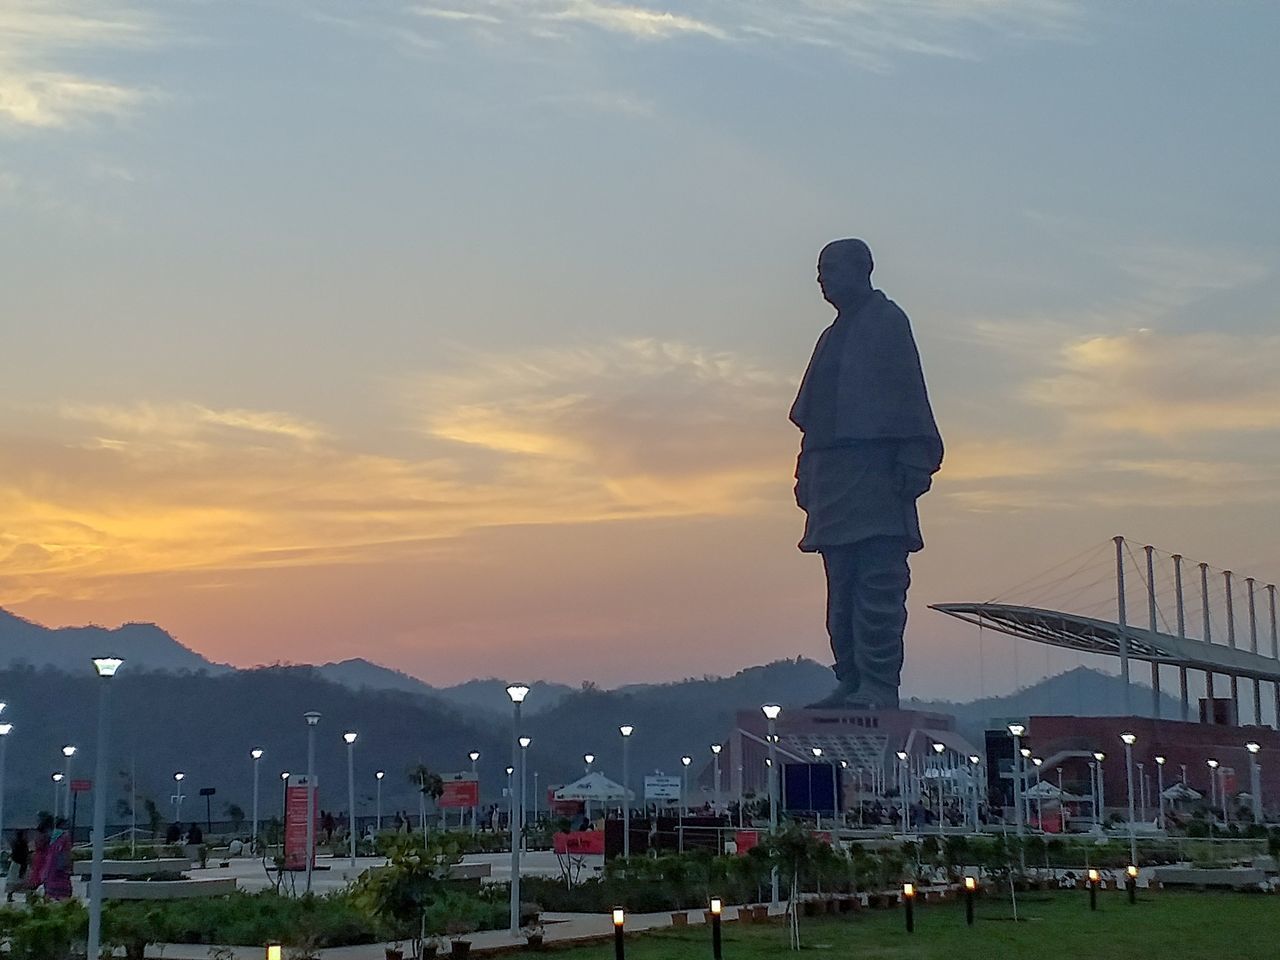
[{"x": 870, "y": 449}]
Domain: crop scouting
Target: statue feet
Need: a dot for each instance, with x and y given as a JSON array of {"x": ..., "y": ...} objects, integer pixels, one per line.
[{"x": 857, "y": 698}]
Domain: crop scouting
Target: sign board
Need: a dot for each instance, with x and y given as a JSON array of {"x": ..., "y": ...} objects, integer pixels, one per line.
[
  {"x": 295, "y": 821},
  {"x": 208, "y": 791},
  {"x": 746, "y": 839},
  {"x": 580, "y": 843},
  {"x": 562, "y": 808},
  {"x": 662, "y": 788},
  {"x": 81, "y": 786},
  {"x": 460, "y": 793}
]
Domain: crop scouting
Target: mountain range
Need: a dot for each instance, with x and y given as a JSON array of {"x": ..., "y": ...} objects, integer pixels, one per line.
[{"x": 174, "y": 710}]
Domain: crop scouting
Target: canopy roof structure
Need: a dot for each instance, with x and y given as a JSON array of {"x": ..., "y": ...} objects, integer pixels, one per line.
[
  {"x": 594, "y": 786},
  {"x": 1180, "y": 791},
  {"x": 1088, "y": 635}
]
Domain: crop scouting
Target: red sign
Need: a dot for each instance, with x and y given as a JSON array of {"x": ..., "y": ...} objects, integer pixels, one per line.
[
  {"x": 580, "y": 842},
  {"x": 460, "y": 794},
  {"x": 746, "y": 839},
  {"x": 81, "y": 786},
  {"x": 295, "y": 823}
]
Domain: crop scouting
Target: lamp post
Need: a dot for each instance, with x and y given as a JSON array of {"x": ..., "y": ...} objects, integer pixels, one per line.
[
  {"x": 1100, "y": 807},
  {"x": 284, "y": 804},
  {"x": 715, "y": 756},
  {"x": 1017, "y": 730},
  {"x": 473, "y": 756},
  {"x": 256, "y": 755},
  {"x": 56, "y": 777},
  {"x": 312, "y": 718},
  {"x": 1255, "y": 780},
  {"x": 106, "y": 668},
  {"x": 684, "y": 774},
  {"x": 68, "y": 752},
  {"x": 524, "y": 777},
  {"x": 902, "y": 789},
  {"x": 975, "y": 761},
  {"x": 378, "y": 809},
  {"x": 588, "y": 759},
  {"x": 771, "y": 712},
  {"x": 1142, "y": 791},
  {"x": 350, "y": 738},
  {"x": 5, "y": 730},
  {"x": 938, "y": 750},
  {"x": 1025, "y": 753},
  {"x": 1129, "y": 739},
  {"x": 517, "y": 692},
  {"x": 1036, "y": 762},
  {"x": 177, "y": 796},
  {"x": 626, "y": 730},
  {"x": 1160, "y": 761},
  {"x": 1213, "y": 794}
]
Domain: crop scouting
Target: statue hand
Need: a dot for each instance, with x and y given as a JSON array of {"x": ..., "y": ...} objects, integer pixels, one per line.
[{"x": 913, "y": 482}]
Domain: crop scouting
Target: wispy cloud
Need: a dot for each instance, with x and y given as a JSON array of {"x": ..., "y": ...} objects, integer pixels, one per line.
[{"x": 40, "y": 40}]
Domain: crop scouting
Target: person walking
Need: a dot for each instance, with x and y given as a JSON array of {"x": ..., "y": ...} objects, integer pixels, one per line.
[
  {"x": 19, "y": 861},
  {"x": 55, "y": 872}
]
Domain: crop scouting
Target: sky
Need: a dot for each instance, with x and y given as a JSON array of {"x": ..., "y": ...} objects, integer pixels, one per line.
[{"x": 461, "y": 336}]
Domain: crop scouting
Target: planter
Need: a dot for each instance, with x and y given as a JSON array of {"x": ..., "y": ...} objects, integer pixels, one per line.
[
  {"x": 534, "y": 942},
  {"x": 680, "y": 919},
  {"x": 429, "y": 951},
  {"x": 761, "y": 913},
  {"x": 460, "y": 949},
  {"x": 848, "y": 904},
  {"x": 394, "y": 954}
]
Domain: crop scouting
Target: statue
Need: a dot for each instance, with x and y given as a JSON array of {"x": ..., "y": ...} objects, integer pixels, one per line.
[{"x": 870, "y": 449}]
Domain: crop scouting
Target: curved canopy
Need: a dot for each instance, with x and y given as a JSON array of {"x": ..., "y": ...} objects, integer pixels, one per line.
[{"x": 1076, "y": 632}]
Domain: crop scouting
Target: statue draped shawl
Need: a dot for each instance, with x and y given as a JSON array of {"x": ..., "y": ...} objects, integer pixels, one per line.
[{"x": 880, "y": 391}]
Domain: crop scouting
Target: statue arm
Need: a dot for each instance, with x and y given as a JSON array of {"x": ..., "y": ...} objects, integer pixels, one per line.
[{"x": 917, "y": 460}]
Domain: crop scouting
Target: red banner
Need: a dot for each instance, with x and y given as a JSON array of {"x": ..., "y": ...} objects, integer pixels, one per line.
[
  {"x": 746, "y": 839},
  {"x": 295, "y": 823},
  {"x": 581, "y": 842},
  {"x": 460, "y": 794}
]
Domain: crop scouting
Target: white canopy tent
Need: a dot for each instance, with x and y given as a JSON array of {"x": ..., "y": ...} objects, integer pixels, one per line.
[
  {"x": 1181, "y": 793},
  {"x": 1044, "y": 790},
  {"x": 595, "y": 787}
]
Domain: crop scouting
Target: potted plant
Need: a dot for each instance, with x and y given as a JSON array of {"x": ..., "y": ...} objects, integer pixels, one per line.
[
  {"x": 459, "y": 946},
  {"x": 395, "y": 951}
]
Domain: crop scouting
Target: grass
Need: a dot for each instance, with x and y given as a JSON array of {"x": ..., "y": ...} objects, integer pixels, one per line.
[{"x": 1161, "y": 926}]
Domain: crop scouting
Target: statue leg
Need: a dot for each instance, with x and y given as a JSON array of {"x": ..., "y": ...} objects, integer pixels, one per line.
[
  {"x": 879, "y": 617},
  {"x": 841, "y": 564}
]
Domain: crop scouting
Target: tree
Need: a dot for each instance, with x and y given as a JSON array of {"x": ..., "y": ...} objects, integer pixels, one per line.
[{"x": 236, "y": 815}]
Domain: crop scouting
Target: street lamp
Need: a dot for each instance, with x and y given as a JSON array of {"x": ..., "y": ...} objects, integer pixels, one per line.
[
  {"x": 1255, "y": 780},
  {"x": 938, "y": 750},
  {"x": 256, "y": 754},
  {"x": 715, "y": 755},
  {"x": 68, "y": 752},
  {"x": 1213, "y": 795},
  {"x": 1017, "y": 730},
  {"x": 771, "y": 712},
  {"x": 902, "y": 788},
  {"x": 56, "y": 777},
  {"x": 684, "y": 774},
  {"x": 1100, "y": 805},
  {"x": 517, "y": 692},
  {"x": 5, "y": 730},
  {"x": 1036, "y": 762},
  {"x": 312, "y": 718},
  {"x": 524, "y": 779},
  {"x": 378, "y": 812},
  {"x": 974, "y": 762},
  {"x": 1160, "y": 761},
  {"x": 177, "y": 796},
  {"x": 473, "y": 756},
  {"x": 626, "y": 730},
  {"x": 1129, "y": 739},
  {"x": 106, "y": 668},
  {"x": 350, "y": 738}
]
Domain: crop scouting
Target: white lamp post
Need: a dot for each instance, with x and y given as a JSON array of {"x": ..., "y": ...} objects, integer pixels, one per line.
[
  {"x": 817, "y": 758},
  {"x": 1255, "y": 780},
  {"x": 1213, "y": 790},
  {"x": 284, "y": 804},
  {"x": 1100, "y": 805},
  {"x": 902, "y": 790},
  {"x": 1017, "y": 730},
  {"x": 1160, "y": 762},
  {"x": 684, "y": 761},
  {"x": 524, "y": 779},
  {"x": 350, "y": 738},
  {"x": 938, "y": 750},
  {"x": 473, "y": 756},
  {"x": 1129, "y": 739},
  {"x": 1025, "y": 752},
  {"x": 106, "y": 668},
  {"x": 378, "y": 811},
  {"x": 177, "y": 796},
  {"x": 626, "y": 730},
  {"x": 5, "y": 730},
  {"x": 256, "y": 755},
  {"x": 974, "y": 762},
  {"x": 68, "y": 752},
  {"x": 715, "y": 756},
  {"x": 771, "y": 712},
  {"x": 517, "y": 692},
  {"x": 312, "y": 718},
  {"x": 56, "y": 777},
  {"x": 1036, "y": 762}
]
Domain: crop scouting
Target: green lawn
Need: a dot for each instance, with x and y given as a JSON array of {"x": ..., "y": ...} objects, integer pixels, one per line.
[{"x": 1161, "y": 926}]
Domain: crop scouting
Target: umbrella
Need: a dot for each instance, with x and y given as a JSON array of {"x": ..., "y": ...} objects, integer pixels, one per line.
[
  {"x": 593, "y": 786},
  {"x": 1181, "y": 792}
]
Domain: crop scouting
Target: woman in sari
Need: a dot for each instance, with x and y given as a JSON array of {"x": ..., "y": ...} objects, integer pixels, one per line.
[{"x": 56, "y": 866}]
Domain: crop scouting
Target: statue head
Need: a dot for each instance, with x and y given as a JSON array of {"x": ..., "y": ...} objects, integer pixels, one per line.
[{"x": 844, "y": 272}]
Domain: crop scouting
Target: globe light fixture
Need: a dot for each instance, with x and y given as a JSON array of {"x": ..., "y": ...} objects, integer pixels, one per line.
[
  {"x": 107, "y": 666},
  {"x": 349, "y": 737},
  {"x": 517, "y": 692}
]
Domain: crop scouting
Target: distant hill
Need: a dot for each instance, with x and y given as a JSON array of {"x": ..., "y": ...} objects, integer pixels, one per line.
[
  {"x": 360, "y": 674},
  {"x": 70, "y": 648},
  {"x": 491, "y": 695}
]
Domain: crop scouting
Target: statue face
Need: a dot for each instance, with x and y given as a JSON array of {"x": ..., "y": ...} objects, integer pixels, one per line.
[{"x": 838, "y": 282}]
